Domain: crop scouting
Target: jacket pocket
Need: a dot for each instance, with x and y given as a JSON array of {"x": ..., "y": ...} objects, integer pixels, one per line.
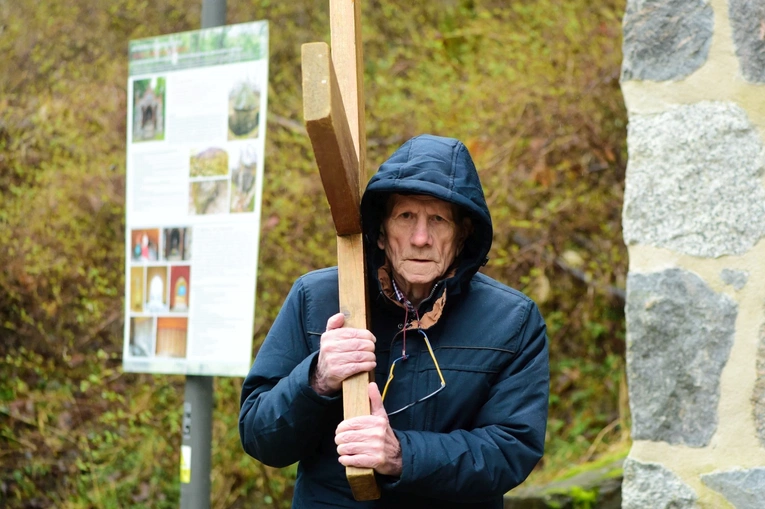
[
  {"x": 478, "y": 359},
  {"x": 469, "y": 373}
]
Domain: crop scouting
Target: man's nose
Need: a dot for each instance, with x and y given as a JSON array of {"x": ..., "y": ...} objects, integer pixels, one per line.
[{"x": 421, "y": 234}]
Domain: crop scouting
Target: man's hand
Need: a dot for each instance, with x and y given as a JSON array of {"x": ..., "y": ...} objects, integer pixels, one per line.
[
  {"x": 343, "y": 352},
  {"x": 369, "y": 441}
]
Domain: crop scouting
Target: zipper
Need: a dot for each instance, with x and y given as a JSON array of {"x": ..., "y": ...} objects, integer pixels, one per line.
[{"x": 432, "y": 292}]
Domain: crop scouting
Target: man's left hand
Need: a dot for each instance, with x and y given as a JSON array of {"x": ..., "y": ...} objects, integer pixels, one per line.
[{"x": 369, "y": 441}]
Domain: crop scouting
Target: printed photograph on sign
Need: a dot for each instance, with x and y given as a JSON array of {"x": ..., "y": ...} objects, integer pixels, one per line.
[
  {"x": 156, "y": 296},
  {"x": 177, "y": 244},
  {"x": 209, "y": 162},
  {"x": 145, "y": 245},
  {"x": 137, "y": 286},
  {"x": 208, "y": 197},
  {"x": 149, "y": 109},
  {"x": 243, "y": 108},
  {"x": 243, "y": 168},
  {"x": 171, "y": 337},
  {"x": 180, "y": 280},
  {"x": 141, "y": 336}
]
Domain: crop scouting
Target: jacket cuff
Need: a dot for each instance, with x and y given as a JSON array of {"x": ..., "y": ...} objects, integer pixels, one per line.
[
  {"x": 303, "y": 373},
  {"x": 388, "y": 482}
]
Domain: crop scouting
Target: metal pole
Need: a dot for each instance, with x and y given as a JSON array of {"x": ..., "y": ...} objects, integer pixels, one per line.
[
  {"x": 196, "y": 444},
  {"x": 213, "y": 13}
]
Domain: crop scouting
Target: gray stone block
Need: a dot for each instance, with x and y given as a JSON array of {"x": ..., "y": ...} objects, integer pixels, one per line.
[
  {"x": 694, "y": 180},
  {"x": 747, "y": 19},
  {"x": 736, "y": 278},
  {"x": 653, "y": 485},
  {"x": 665, "y": 39},
  {"x": 679, "y": 337},
  {"x": 758, "y": 396},
  {"x": 745, "y": 489}
]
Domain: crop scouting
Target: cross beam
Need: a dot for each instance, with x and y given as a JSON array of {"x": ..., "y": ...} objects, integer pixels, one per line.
[{"x": 333, "y": 107}]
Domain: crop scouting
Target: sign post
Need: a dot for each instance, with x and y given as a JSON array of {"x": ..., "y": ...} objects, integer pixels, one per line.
[
  {"x": 195, "y": 144},
  {"x": 198, "y": 393},
  {"x": 333, "y": 107},
  {"x": 197, "y": 438}
]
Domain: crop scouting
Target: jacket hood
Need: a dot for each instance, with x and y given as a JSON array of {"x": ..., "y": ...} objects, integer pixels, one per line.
[{"x": 434, "y": 166}]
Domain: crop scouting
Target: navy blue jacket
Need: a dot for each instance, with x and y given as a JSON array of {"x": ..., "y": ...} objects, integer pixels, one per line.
[{"x": 470, "y": 443}]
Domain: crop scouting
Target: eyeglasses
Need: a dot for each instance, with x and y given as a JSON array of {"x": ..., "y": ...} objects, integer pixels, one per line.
[{"x": 404, "y": 356}]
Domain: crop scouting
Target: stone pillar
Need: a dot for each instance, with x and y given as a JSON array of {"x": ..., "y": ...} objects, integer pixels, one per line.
[{"x": 693, "y": 78}]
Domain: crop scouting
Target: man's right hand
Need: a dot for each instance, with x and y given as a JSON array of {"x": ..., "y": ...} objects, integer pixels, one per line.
[{"x": 343, "y": 352}]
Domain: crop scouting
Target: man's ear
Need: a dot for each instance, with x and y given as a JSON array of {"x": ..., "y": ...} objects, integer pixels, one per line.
[{"x": 381, "y": 238}]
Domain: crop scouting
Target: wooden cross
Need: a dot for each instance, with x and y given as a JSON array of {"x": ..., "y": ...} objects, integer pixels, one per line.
[{"x": 333, "y": 107}]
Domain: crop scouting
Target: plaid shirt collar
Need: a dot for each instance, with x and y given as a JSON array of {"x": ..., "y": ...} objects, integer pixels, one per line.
[{"x": 401, "y": 297}]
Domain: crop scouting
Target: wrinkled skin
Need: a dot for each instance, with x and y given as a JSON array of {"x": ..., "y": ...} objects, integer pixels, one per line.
[{"x": 421, "y": 239}]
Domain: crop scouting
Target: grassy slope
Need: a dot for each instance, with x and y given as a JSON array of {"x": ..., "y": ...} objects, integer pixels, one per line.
[{"x": 531, "y": 87}]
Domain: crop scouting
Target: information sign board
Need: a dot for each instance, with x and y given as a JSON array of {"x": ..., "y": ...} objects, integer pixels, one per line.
[{"x": 195, "y": 143}]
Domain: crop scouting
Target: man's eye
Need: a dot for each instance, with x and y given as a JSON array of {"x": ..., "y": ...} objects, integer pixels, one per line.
[
  {"x": 438, "y": 219},
  {"x": 406, "y": 215}
]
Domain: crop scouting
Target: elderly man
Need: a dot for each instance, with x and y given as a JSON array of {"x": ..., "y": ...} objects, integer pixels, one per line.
[{"x": 461, "y": 358}]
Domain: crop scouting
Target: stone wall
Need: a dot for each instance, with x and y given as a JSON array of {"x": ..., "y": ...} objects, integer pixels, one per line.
[{"x": 693, "y": 78}]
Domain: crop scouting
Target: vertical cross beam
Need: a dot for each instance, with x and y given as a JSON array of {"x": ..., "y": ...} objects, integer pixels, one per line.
[
  {"x": 348, "y": 60},
  {"x": 333, "y": 104}
]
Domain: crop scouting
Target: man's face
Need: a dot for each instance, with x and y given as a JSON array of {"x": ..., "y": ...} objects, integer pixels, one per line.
[{"x": 420, "y": 238}]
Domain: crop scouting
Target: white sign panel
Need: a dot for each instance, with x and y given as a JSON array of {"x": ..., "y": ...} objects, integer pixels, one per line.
[{"x": 195, "y": 142}]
